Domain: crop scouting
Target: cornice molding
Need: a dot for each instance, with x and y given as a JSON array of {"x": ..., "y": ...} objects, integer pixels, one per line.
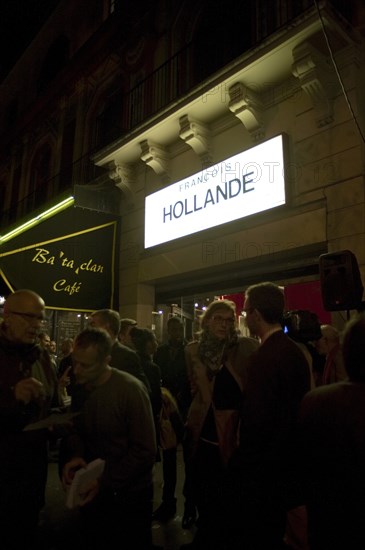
[
  {"x": 247, "y": 106},
  {"x": 123, "y": 175},
  {"x": 198, "y": 136},
  {"x": 318, "y": 79},
  {"x": 156, "y": 157}
]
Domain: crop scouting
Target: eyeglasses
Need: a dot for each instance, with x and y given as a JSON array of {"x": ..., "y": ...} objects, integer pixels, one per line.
[
  {"x": 29, "y": 316},
  {"x": 223, "y": 320},
  {"x": 248, "y": 310}
]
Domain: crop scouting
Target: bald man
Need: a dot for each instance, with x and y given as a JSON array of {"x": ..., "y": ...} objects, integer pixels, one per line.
[{"x": 26, "y": 390}]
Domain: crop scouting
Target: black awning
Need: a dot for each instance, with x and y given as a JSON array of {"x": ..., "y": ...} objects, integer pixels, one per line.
[{"x": 69, "y": 260}]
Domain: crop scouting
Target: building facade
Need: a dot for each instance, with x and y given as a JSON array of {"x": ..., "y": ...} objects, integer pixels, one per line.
[{"x": 227, "y": 141}]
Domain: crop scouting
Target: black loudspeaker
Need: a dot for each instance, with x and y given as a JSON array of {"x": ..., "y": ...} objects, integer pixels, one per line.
[{"x": 341, "y": 284}]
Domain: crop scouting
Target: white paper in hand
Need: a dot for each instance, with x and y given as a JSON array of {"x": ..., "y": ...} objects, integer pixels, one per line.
[{"x": 83, "y": 479}]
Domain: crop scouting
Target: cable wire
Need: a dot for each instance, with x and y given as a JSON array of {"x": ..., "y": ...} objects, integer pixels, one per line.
[{"x": 337, "y": 71}]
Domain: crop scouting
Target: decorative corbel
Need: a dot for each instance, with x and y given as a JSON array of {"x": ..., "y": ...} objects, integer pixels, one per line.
[
  {"x": 123, "y": 176},
  {"x": 247, "y": 107},
  {"x": 156, "y": 157},
  {"x": 317, "y": 79},
  {"x": 198, "y": 136}
]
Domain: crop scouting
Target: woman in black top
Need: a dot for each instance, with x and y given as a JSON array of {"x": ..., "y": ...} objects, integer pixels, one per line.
[{"x": 216, "y": 366}]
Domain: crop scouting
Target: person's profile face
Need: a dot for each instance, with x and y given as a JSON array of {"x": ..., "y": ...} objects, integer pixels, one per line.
[
  {"x": 96, "y": 321},
  {"x": 151, "y": 346},
  {"x": 52, "y": 346},
  {"x": 321, "y": 345},
  {"x": 249, "y": 317},
  {"x": 45, "y": 341},
  {"x": 125, "y": 337},
  {"x": 66, "y": 347}
]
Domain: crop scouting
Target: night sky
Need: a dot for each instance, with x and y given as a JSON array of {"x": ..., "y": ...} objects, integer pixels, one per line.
[{"x": 20, "y": 21}]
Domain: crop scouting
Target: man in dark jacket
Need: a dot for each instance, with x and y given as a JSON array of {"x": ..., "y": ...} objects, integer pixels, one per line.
[
  {"x": 170, "y": 357},
  {"x": 333, "y": 451},
  {"x": 262, "y": 469},
  {"x": 27, "y": 387}
]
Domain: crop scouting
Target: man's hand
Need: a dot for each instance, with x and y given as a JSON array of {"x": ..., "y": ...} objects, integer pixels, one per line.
[
  {"x": 28, "y": 389},
  {"x": 64, "y": 380},
  {"x": 70, "y": 469},
  {"x": 90, "y": 491}
]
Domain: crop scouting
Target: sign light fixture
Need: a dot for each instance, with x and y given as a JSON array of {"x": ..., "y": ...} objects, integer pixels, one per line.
[{"x": 37, "y": 219}]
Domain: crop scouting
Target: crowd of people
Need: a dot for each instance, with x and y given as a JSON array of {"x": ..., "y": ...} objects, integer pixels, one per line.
[{"x": 273, "y": 450}]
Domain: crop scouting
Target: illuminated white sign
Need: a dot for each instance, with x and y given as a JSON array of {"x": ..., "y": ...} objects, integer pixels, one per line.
[{"x": 245, "y": 184}]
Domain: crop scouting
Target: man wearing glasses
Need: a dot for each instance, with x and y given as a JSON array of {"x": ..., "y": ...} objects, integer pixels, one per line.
[
  {"x": 26, "y": 385},
  {"x": 262, "y": 469}
]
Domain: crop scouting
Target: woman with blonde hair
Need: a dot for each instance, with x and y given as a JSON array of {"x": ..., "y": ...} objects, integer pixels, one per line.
[{"x": 216, "y": 364}]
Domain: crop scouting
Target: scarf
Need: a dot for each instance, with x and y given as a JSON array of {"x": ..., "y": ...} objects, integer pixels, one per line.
[{"x": 213, "y": 351}]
